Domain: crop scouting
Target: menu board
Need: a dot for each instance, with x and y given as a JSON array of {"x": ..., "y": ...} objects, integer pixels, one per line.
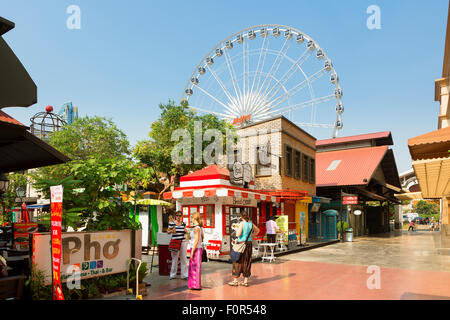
[{"x": 21, "y": 234}]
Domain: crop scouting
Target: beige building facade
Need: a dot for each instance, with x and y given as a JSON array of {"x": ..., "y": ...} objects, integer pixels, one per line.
[{"x": 281, "y": 154}]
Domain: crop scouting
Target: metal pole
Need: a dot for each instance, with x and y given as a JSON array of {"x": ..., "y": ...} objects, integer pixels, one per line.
[{"x": 342, "y": 220}]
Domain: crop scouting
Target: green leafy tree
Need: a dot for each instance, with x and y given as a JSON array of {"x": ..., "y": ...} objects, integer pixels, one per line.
[
  {"x": 91, "y": 137},
  {"x": 100, "y": 164},
  {"x": 426, "y": 208},
  {"x": 157, "y": 151},
  {"x": 86, "y": 138}
]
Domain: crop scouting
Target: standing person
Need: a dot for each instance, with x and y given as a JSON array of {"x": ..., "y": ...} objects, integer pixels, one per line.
[
  {"x": 271, "y": 229},
  {"x": 195, "y": 261},
  {"x": 178, "y": 229},
  {"x": 411, "y": 225},
  {"x": 244, "y": 265}
]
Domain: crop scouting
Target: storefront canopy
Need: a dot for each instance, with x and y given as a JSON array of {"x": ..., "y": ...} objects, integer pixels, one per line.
[
  {"x": 39, "y": 206},
  {"x": 331, "y": 212},
  {"x": 219, "y": 192},
  {"x": 431, "y": 162},
  {"x": 150, "y": 202},
  {"x": 20, "y": 150},
  {"x": 431, "y": 145},
  {"x": 17, "y": 89}
]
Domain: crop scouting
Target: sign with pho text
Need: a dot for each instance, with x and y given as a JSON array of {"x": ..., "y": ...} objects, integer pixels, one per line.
[
  {"x": 90, "y": 254},
  {"x": 56, "y": 195}
]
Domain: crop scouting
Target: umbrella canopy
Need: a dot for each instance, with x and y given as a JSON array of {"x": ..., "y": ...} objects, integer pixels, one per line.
[
  {"x": 17, "y": 89},
  {"x": 150, "y": 202},
  {"x": 331, "y": 212},
  {"x": 20, "y": 150}
]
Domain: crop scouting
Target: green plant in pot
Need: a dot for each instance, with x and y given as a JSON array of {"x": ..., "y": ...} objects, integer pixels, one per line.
[{"x": 344, "y": 227}]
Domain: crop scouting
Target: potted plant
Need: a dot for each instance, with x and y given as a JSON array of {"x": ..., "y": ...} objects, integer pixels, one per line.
[{"x": 342, "y": 228}]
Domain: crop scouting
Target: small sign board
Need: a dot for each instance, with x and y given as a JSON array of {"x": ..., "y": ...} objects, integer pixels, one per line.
[{"x": 350, "y": 200}]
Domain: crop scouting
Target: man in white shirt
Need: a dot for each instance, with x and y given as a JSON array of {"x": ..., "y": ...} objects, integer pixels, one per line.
[{"x": 271, "y": 230}]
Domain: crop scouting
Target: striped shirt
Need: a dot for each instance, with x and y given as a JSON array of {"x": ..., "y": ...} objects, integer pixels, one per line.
[{"x": 179, "y": 234}]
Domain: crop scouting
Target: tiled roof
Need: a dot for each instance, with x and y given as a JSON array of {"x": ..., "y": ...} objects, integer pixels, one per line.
[
  {"x": 437, "y": 136},
  {"x": 348, "y": 167},
  {"x": 210, "y": 172},
  {"x": 7, "y": 118},
  {"x": 360, "y": 137}
]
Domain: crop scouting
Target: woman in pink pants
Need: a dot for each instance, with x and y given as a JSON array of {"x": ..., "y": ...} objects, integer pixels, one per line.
[{"x": 195, "y": 262}]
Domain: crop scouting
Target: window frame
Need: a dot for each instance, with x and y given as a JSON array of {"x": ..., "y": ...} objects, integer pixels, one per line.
[
  {"x": 305, "y": 168},
  {"x": 188, "y": 215},
  {"x": 268, "y": 166},
  {"x": 288, "y": 170},
  {"x": 297, "y": 169}
]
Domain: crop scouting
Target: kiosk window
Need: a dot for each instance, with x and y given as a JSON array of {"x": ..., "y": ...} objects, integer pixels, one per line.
[{"x": 206, "y": 212}]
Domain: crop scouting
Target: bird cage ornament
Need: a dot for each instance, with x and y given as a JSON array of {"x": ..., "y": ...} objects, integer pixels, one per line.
[{"x": 43, "y": 124}]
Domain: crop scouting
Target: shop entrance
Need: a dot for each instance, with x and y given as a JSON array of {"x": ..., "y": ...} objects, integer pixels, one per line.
[
  {"x": 329, "y": 229},
  {"x": 232, "y": 219}
]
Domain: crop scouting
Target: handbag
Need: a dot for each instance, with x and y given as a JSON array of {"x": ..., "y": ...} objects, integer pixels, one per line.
[
  {"x": 238, "y": 248},
  {"x": 175, "y": 245},
  {"x": 204, "y": 255}
]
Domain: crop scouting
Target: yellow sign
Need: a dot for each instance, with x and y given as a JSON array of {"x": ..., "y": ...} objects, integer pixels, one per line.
[{"x": 283, "y": 224}]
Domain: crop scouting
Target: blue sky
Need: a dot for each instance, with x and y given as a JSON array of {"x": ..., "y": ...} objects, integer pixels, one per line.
[{"x": 129, "y": 56}]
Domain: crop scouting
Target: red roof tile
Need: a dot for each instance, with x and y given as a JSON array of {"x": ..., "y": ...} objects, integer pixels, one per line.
[
  {"x": 7, "y": 118},
  {"x": 360, "y": 137},
  {"x": 348, "y": 167},
  {"x": 210, "y": 172}
]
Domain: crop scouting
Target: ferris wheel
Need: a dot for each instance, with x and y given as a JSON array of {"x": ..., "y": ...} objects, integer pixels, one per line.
[{"x": 265, "y": 71}]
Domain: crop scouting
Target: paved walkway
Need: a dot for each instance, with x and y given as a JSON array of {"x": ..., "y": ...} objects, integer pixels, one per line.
[{"x": 410, "y": 267}]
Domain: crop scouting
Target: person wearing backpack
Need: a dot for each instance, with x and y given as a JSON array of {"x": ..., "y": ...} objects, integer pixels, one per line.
[{"x": 244, "y": 232}]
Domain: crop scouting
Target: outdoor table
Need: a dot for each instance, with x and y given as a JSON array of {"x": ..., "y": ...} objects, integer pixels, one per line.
[
  {"x": 266, "y": 255},
  {"x": 16, "y": 258}
]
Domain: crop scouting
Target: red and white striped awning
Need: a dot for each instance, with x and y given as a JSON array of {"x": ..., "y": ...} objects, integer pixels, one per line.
[{"x": 219, "y": 192}]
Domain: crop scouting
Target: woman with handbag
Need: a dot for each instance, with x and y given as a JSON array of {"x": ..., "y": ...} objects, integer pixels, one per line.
[
  {"x": 244, "y": 264},
  {"x": 178, "y": 246},
  {"x": 195, "y": 261}
]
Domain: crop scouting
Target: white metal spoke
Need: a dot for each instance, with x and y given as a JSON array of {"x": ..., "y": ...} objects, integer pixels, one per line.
[
  {"x": 315, "y": 125},
  {"x": 299, "y": 87},
  {"x": 297, "y": 64},
  {"x": 257, "y": 67},
  {"x": 217, "y": 100},
  {"x": 225, "y": 90},
  {"x": 259, "y": 73},
  {"x": 275, "y": 71},
  {"x": 265, "y": 50},
  {"x": 209, "y": 111},
  {"x": 246, "y": 76},
  {"x": 305, "y": 104},
  {"x": 232, "y": 73},
  {"x": 271, "y": 68}
]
